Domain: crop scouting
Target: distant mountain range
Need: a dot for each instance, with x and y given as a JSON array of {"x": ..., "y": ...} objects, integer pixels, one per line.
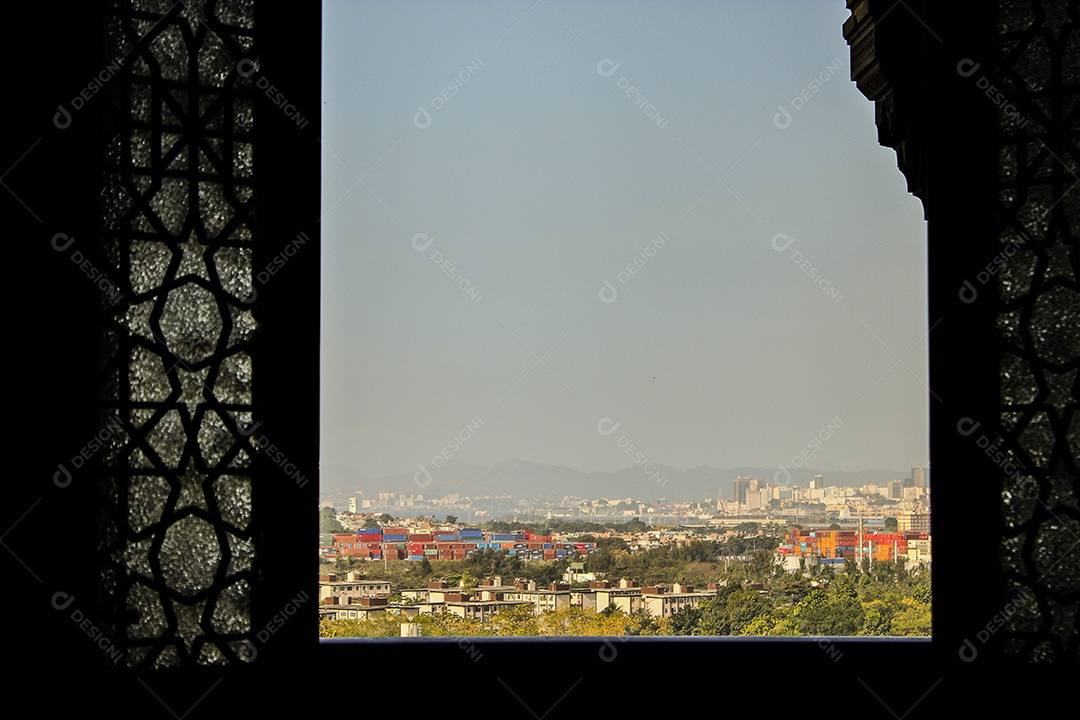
[{"x": 521, "y": 478}]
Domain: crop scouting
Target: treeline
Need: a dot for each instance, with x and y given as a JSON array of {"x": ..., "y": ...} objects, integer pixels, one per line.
[
  {"x": 404, "y": 574},
  {"x": 519, "y": 621},
  {"x": 696, "y": 563},
  {"x": 886, "y": 600},
  {"x": 565, "y": 526}
]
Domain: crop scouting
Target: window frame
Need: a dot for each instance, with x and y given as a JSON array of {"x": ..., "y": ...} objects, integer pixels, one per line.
[{"x": 957, "y": 157}]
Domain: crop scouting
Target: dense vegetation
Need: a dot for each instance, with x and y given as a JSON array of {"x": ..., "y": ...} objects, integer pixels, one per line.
[
  {"x": 885, "y": 599},
  {"x": 888, "y": 600},
  {"x": 517, "y": 622}
]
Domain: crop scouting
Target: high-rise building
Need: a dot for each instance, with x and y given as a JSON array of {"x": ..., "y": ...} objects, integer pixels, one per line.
[
  {"x": 742, "y": 484},
  {"x": 919, "y": 477},
  {"x": 817, "y": 483},
  {"x": 352, "y": 505},
  {"x": 896, "y": 490},
  {"x": 913, "y": 522}
]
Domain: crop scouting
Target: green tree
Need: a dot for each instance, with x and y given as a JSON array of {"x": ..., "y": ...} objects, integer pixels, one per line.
[
  {"x": 836, "y": 611},
  {"x": 878, "y": 618},
  {"x": 452, "y": 519},
  {"x": 913, "y": 618},
  {"x": 684, "y": 621},
  {"x": 890, "y": 524},
  {"x": 730, "y": 611},
  {"x": 328, "y": 522}
]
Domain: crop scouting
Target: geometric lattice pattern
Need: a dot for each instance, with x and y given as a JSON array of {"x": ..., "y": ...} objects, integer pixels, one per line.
[
  {"x": 176, "y": 543},
  {"x": 1038, "y": 66}
]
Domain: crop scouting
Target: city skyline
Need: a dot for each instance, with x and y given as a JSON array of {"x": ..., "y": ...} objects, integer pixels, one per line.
[{"x": 543, "y": 225}]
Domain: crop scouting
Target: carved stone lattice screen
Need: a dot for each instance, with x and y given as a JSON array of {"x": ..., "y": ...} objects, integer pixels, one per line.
[
  {"x": 175, "y": 547},
  {"x": 1038, "y": 66},
  {"x": 175, "y": 542}
]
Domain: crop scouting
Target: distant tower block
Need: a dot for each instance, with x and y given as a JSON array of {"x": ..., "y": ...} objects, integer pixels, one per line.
[
  {"x": 352, "y": 505},
  {"x": 817, "y": 483},
  {"x": 742, "y": 484}
]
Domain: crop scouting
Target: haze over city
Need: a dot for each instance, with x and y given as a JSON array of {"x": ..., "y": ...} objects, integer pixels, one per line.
[{"x": 666, "y": 222}]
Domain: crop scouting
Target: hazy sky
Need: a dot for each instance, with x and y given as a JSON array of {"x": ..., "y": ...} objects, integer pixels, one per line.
[{"x": 487, "y": 177}]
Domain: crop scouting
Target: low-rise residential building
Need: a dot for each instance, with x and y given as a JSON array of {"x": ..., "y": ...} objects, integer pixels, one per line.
[
  {"x": 554, "y": 598},
  {"x": 663, "y": 601},
  {"x": 364, "y": 608},
  {"x": 628, "y": 600},
  {"x": 913, "y": 522},
  {"x": 355, "y": 589},
  {"x": 481, "y": 610}
]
